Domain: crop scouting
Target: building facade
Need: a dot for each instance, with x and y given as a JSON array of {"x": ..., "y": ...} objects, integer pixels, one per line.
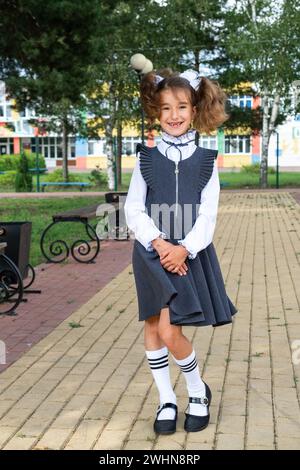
[{"x": 235, "y": 148}]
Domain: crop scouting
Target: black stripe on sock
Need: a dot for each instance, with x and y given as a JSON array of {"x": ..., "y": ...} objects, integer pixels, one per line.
[
  {"x": 190, "y": 366},
  {"x": 158, "y": 358},
  {"x": 160, "y": 367},
  {"x": 159, "y": 363}
]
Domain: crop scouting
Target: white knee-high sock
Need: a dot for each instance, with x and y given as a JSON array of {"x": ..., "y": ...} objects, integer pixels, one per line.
[
  {"x": 195, "y": 385},
  {"x": 159, "y": 365}
]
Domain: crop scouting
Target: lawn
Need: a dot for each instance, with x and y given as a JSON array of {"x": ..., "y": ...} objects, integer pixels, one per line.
[
  {"x": 251, "y": 180},
  {"x": 235, "y": 179},
  {"x": 39, "y": 212}
]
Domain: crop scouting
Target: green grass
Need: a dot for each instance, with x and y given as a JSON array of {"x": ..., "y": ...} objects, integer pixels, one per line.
[
  {"x": 39, "y": 212},
  {"x": 246, "y": 180},
  {"x": 235, "y": 179}
]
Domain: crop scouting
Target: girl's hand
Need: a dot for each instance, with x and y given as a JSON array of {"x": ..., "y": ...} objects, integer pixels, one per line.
[
  {"x": 164, "y": 248},
  {"x": 174, "y": 259}
]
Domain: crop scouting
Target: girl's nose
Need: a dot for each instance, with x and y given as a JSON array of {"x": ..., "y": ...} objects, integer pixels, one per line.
[{"x": 174, "y": 113}]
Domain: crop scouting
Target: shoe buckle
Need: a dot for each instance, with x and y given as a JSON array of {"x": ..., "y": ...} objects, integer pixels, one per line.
[{"x": 201, "y": 400}]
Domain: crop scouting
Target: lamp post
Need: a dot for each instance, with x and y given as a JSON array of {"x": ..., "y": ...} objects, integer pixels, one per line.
[
  {"x": 277, "y": 159},
  {"x": 141, "y": 65},
  {"x": 37, "y": 159}
]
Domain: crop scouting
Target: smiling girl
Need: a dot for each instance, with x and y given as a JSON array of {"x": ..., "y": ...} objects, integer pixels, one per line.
[{"x": 171, "y": 207}]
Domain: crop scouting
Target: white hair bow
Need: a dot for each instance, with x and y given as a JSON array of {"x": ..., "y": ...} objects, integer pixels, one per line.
[
  {"x": 193, "y": 77},
  {"x": 190, "y": 75}
]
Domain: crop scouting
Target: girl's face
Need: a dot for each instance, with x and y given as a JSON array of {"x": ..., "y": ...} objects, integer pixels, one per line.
[{"x": 176, "y": 111}]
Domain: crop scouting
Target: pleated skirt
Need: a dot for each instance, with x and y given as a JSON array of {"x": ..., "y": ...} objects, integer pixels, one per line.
[{"x": 197, "y": 299}]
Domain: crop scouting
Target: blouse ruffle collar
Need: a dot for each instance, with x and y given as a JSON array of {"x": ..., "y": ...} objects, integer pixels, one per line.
[{"x": 181, "y": 139}]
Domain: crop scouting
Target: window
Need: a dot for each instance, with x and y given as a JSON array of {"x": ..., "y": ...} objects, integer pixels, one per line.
[
  {"x": 91, "y": 148},
  {"x": 6, "y": 146},
  {"x": 237, "y": 144},
  {"x": 51, "y": 147},
  {"x": 129, "y": 145},
  {"x": 208, "y": 142},
  {"x": 242, "y": 101},
  {"x": 8, "y": 111}
]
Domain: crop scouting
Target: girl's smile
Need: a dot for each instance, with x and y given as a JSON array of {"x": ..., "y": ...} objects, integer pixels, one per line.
[{"x": 176, "y": 111}]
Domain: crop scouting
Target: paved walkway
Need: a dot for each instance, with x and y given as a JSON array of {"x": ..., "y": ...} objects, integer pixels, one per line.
[
  {"x": 65, "y": 287},
  {"x": 90, "y": 387}
]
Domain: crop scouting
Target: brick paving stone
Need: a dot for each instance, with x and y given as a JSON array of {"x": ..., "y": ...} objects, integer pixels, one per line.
[{"x": 90, "y": 387}]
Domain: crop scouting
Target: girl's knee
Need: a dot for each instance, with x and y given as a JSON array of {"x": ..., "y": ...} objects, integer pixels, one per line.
[
  {"x": 151, "y": 325},
  {"x": 169, "y": 335}
]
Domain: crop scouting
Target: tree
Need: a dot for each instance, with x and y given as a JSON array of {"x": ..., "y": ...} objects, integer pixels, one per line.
[
  {"x": 48, "y": 52},
  {"x": 262, "y": 43}
]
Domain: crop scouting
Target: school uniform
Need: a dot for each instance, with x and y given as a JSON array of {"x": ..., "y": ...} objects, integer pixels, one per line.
[{"x": 180, "y": 175}]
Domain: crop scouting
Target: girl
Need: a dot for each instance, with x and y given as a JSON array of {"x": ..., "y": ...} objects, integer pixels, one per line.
[{"x": 171, "y": 207}]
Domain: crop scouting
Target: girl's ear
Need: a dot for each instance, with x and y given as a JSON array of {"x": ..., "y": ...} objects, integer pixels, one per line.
[{"x": 194, "y": 111}]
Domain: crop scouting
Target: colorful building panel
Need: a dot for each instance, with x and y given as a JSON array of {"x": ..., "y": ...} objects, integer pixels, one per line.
[{"x": 236, "y": 148}]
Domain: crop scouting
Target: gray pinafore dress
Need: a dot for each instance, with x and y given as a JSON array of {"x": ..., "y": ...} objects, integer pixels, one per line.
[{"x": 198, "y": 298}]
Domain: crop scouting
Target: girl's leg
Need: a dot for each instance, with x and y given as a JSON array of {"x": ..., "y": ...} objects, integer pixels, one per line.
[
  {"x": 157, "y": 355},
  {"x": 184, "y": 355}
]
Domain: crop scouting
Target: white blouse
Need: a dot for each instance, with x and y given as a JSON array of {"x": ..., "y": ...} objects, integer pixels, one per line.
[{"x": 144, "y": 228}]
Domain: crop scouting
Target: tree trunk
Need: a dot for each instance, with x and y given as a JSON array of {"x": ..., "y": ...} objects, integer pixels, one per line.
[
  {"x": 265, "y": 142},
  {"x": 119, "y": 153},
  {"x": 110, "y": 154},
  {"x": 197, "y": 60},
  {"x": 65, "y": 150},
  {"x": 274, "y": 114}
]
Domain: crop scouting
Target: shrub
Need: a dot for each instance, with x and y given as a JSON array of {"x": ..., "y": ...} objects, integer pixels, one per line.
[
  {"x": 255, "y": 169},
  {"x": 251, "y": 169},
  {"x": 57, "y": 176},
  {"x": 97, "y": 177},
  {"x": 11, "y": 162},
  {"x": 8, "y": 180},
  {"x": 23, "y": 181}
]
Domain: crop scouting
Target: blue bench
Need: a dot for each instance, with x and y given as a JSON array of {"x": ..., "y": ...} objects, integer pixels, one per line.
[
  {"x": 223, "y": 184},
  {"x": 38, "y": 170},
  {"x": 65, "y": 184}
]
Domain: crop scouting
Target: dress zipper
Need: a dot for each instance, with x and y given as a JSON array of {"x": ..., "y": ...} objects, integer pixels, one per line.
[{"x": 176, "y": 173}]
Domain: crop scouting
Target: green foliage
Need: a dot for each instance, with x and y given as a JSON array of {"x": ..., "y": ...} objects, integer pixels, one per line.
[
  {"x": 11, "y": 162},
  {"x": 97, "y": 177},
  {"x": 254, "y": 169},
  {"x": 7, "y": 181},
  {"x": 23, "y": 181},
  {"x": 57, "y": 176}
]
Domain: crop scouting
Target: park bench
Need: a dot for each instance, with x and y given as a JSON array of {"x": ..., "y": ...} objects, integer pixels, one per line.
[
  {"x": 223, "y": 184},
  {"x": 81, "y": 185},
  {"x": 84, "y": 215}
]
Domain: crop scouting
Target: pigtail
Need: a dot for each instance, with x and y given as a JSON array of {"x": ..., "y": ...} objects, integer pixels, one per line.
[
  {"x": 210, "y": 102},
  {"x": 149, "y": 92}
]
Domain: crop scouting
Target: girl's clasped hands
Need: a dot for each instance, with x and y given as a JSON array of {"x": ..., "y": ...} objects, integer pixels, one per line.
[{"x": 172, "y": 257}]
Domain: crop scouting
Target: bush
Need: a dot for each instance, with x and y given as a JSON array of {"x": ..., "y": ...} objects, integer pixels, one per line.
[
  {"x": 97, "y": 178},
  {"x": 23, "y": 182},
  {"x": 251, "y": 169},
  {"x": 57, "y": 176},
  {"x": 8, "y": 180},
  {"x": 255, "y": 169},
  {"x": 11, "y": 162}
]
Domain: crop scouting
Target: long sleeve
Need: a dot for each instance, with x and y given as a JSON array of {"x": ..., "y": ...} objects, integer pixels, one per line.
[
  {"x": 201, "y": 234},
  {"x": 136, "y": 215}
]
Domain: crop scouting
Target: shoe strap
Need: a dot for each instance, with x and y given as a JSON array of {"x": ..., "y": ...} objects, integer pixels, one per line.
[
  {"x": 166, "y": 405},
  {"x": 200, "y": 401}
]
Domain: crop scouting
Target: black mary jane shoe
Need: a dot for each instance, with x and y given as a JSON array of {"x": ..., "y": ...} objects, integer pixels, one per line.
[
  {"x": 165, "y": 426},
  {"x": 195, "y": 423}
]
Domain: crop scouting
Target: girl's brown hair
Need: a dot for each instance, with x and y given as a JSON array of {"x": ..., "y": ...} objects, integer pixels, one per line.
[{"x": 209, "y": 99}]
